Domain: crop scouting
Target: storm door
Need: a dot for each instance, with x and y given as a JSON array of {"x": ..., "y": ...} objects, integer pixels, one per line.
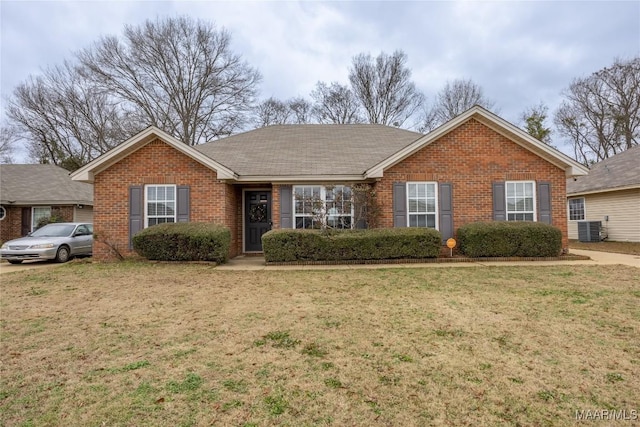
[{"x": 257, "y": 218}]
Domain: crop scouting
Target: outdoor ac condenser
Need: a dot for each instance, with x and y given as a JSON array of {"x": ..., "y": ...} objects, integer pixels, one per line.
[{"x": 589, "y": 231}]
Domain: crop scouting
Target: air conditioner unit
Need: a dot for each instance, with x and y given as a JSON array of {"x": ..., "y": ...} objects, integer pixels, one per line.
[{"x": 589, "y": 231}]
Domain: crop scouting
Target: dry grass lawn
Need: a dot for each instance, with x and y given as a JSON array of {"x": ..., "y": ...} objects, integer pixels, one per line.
[
  {"x": 134, "y": 344},
  {"x": 631, "y": 248}
]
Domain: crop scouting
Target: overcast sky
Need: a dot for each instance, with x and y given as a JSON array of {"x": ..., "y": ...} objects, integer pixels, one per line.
[{"x": 520, "y": 53}]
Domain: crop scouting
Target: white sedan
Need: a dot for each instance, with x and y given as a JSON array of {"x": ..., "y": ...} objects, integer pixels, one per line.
[{"x": 59, "y": 241}]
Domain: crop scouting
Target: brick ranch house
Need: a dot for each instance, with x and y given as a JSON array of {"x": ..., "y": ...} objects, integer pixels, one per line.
[{"x": 476, "y": 167}]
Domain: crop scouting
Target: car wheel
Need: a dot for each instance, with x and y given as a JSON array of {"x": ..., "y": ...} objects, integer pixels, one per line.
[
  {"x": 15, "y": 261},
  {"x": 63, "y": 254}
]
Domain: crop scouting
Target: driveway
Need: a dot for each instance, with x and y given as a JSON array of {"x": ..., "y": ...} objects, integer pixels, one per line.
[{"x": 5, "y": 267}]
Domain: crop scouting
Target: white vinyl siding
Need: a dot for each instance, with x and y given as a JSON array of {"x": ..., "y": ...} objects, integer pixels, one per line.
[
  {"x": 83, "y": 215},
  {"x": 621, "y": 207},
  {"x": 422, "y": 204}
]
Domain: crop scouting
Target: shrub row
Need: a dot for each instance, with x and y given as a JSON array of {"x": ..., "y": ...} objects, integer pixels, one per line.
[
  {"x": 184, "y": 241},
  {"x": 373, "y": 244},
  {"x": 509, "y": 239}
]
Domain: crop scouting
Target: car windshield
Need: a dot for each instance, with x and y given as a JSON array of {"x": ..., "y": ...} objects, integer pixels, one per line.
[{"x": 54, "y": 230}]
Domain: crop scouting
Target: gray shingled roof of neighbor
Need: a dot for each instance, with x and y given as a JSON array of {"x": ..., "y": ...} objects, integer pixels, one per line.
[
  {"x": 619, "y": 171},
  {"x": 297, "y": 150},
  {"x": 41, "y": 185}
]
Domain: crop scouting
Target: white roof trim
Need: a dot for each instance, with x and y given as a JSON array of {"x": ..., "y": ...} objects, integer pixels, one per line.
[
  {"x": 517, "y": 135},
  {"x": 87, "y": 172},
  {"x": 299, "y": 178}
]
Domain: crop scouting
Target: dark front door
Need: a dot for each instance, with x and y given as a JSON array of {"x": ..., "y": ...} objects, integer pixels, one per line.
[
  {"x": 257, "y": 218},
  {"x": 26, "y": 221}
]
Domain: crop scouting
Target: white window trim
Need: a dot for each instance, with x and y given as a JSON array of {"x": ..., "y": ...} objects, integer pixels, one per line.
[
  {"x": 3, "y": 213},
  {"x": 146, "y": 204},
  {"x": 535, "y": 199},
  {"x": 33, "y": 215},
  {"x": 436, "y": 213},
  {"x": 584, "y": 209},
  {"x": 323, "y": 197}
]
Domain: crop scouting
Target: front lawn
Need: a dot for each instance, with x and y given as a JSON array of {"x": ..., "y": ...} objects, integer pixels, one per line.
[
  {"x": 631, "y": 248},
  {"x": 134, "y": 344}
]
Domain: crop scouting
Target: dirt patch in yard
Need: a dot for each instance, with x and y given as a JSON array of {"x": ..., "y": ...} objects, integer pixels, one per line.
[{"x": 156, "y": 344}]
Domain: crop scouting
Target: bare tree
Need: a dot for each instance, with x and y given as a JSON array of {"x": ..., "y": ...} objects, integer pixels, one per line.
[
  {"x": 384, "y": 88},
  {"x": 533, "y": 119},
  {"x": 601, "y": 113},
  {"x": 300, "y": 110},
  {"x": 178, "y": 74},
  {"x": 272, "y": 112},
  {"x": 455, "y": 98},
  {"x": 335, "y": 104},
  {"x": 64, "y": 119},
  {"x": 7, "y": 139}
]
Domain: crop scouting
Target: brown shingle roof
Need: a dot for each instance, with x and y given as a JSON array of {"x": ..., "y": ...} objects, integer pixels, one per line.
[
  {"x": 621, "y": 170},
  {"x": 41, "y": 184},
  {"x": 294, "y": 150}
]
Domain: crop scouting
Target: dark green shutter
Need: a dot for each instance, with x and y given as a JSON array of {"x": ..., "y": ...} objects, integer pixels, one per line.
[
  {"x": 399, "y": 204},
  {"x": 136, "y": 211},
  {"x": 499, "y": 202},
  {"x": 183, "y": 203},
  {"x": 544, "y": 202},
  {"x": 286, "y": 206},
  {"x": 445, "y": 196}
]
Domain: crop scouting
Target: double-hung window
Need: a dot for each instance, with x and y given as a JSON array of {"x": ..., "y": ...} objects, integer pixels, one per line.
[
  {"x": 521, "y": 199},
  {"x": 576, "y": 209},
  {"x": 160, "y": 204},
  {"x": 422, "y": 204},
  {"x": 316, "y": 205}
]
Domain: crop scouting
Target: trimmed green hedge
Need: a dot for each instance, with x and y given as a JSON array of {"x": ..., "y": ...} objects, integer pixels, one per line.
[
  {"x": 338, "y": 245},
  {"x": 184, "y": 241},
  {"x": 509, "y": 239}
]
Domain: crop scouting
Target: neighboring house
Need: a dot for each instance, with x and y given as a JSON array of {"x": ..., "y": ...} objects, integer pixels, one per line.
[
  {"x": 30, "y": 192},
  {"x": 610, "y": 193},
  {"x": 477, "y": 167}
]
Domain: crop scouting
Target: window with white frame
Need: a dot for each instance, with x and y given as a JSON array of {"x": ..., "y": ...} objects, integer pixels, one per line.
[
  {"x": 521, "y": 198},
  {"x": 38, "y": 213},
  {"x": 576, "y": 209},
  {"x": 160, "y": 204},
  {"x": 422, "y": 204},
  {"x": 316, "y": 205}
]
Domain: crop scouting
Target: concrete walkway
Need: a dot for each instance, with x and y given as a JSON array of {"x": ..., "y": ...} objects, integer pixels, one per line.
[
  {"x": 597, "y": 258},
  {"x": 244, "y": 263}
]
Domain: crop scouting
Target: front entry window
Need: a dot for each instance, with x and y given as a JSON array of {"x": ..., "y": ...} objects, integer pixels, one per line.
[
  {"x": 39, "y": 213},
  {"x": 316, "y": 206},
  {"x": 160, "y": 205}
]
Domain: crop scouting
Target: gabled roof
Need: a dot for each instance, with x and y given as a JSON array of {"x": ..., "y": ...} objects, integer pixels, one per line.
[
  {"x": 294, "y": 153},
  {"x": 501, "y": 126},
  {"x": 619, "y": 172},
  {"x": 87, "y": 172},
  {"x": 41, "y": 185},
  {"x": 308, "y": 152}
]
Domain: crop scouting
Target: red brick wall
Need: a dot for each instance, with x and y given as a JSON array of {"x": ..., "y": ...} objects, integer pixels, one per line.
[
  {"x": 472, "y": 157},
  {"x": 156, "y": 163}
]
